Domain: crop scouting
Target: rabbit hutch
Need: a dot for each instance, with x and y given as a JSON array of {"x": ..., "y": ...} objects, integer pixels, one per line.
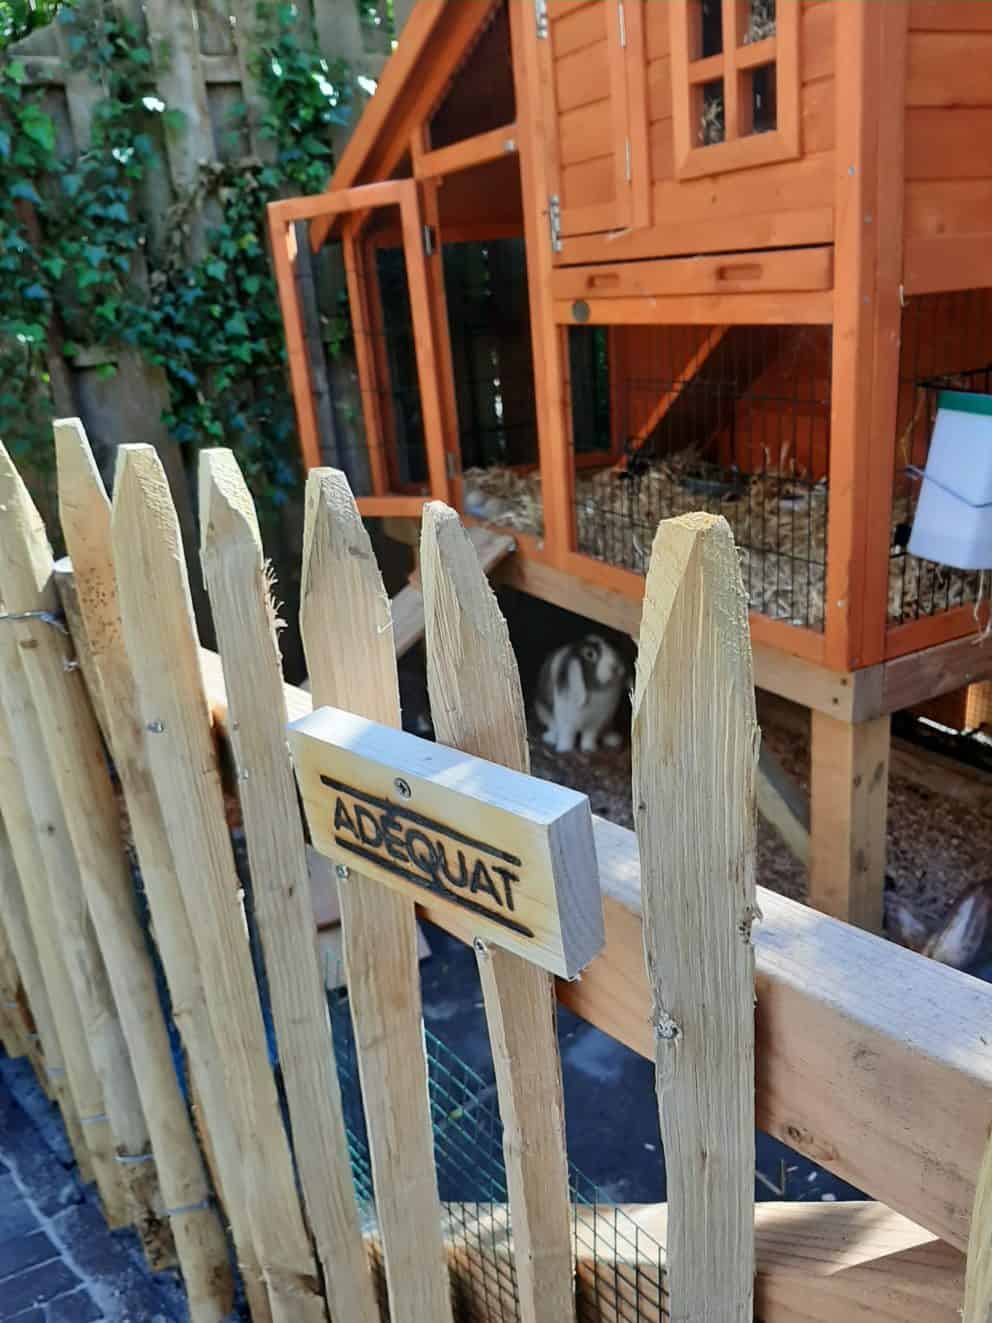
[{"x": 586, "y": 264}]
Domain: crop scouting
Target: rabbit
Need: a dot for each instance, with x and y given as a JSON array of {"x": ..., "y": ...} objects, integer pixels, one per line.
[
  {"x": 956, "y": 941},
  {"x": 578, "y": 692}
]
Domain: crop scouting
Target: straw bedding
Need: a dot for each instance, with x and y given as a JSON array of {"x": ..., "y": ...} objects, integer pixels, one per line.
[{"x": 779, "y": 524}]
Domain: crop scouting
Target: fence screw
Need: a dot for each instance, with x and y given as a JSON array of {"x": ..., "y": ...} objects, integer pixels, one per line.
[
  {"x": 343, "y": 872},
  {"x": 402, "y": 788},
  {"x": 481, "y": 948},
  {"x": 156, "y": 727}
]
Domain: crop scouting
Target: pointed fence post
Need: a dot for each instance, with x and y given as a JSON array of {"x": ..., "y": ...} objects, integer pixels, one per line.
[
  {"x": 347, "y": 636},
  {"x": 695, "y": 750},
  {"x": 88, "y": 589},
  {"x": 160, "y": 637},
  {"x": 477, "y": 706},
  {"x": 52, "y": 896},
  {"x": 238, "y": 585},
  {"x": 76, "y": 758},
  {"x": 23, "y": 970}
]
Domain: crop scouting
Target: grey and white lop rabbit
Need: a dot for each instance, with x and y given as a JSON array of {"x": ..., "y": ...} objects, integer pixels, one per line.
[{"x": 578, "y": 693}]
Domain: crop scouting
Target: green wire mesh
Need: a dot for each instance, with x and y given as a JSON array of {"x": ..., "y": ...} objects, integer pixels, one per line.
[{"x": 619, "y": 1276}]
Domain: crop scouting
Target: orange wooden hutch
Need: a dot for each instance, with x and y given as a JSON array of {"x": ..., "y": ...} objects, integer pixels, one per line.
[{"x": 599, "y": 261}]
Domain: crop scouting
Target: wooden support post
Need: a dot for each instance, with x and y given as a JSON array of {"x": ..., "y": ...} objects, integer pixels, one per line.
[
  {"x": 82, "y": 781},
  {"x": 236, "y": 576},
  {"x": 22, "y": 987},
  {"x": 88, "y": 590},
  {"x": 695, "y": 752},
  {"x": 282, "y": 235},
  {"x": 38, "y": 839},
  {"x": 477, "y": 706},
  {"x": 849, "y": 786},
  {"x": 183, "y": 764},
  {"x": 355, "y": 669}
]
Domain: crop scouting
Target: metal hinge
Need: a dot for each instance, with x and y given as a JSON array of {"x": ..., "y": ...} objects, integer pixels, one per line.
[
  {"x": 428, "y": 241},
  {"x": 623, "y": 24},
  {"x": 554, "y": 221},
  {"x": 541, "y": 16},
  {"x": 628, "y": 167}
]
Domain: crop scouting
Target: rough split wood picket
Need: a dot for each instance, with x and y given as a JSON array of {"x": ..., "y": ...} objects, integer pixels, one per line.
[
  {"x": 82, "y": 780},
  {"x": 88, "y": 590},
  {"x": 695, "y": 749},
  {"x": 160, "y": 636},
  {"x": 347, "y": 635},
  {"x": 100, "y": 1074},
  {"x": 477, "y": 705},
  {"x": 245, "y": 620}
]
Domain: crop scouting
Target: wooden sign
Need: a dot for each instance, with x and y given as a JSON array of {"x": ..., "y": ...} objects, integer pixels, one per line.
[{"x": 513, "y": 854}]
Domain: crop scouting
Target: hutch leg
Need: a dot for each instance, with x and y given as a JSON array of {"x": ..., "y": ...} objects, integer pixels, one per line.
[{"x": 849, "y": 786}]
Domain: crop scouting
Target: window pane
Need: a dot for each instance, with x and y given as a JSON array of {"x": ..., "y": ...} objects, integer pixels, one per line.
[
  {"x": 706, "y": 28},
  {"x": 761, "y": 20},
  {"x": 708, "y": 103},
  {"x": 759, "y": 88}
]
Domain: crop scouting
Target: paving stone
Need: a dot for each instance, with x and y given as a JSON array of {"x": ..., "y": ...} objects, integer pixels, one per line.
[
  {"x": 22, "y": 1252},
  {"x": 78, "y": 1307},
  {"x": 34, "y": 1287},
  {"x": 16, "y": 1217}
]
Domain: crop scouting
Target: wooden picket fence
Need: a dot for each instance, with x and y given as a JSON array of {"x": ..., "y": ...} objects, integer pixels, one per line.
[{"x": 103, "y": 655}]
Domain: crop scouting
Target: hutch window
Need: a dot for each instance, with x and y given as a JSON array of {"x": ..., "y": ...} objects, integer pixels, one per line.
[{"x": 735, "y": 83}]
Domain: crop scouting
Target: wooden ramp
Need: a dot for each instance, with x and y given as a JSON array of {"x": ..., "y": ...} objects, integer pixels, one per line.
[{"x": 408, "y": 604}]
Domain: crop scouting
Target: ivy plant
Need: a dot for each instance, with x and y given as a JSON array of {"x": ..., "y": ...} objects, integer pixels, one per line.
[{"x": 82, "y": 262}]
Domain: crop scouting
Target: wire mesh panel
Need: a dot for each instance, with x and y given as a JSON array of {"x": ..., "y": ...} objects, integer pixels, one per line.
[
  {"x": 946, "y": 345},
  {"x": 486, "y": 291},
  {"x": 619, "y": 1264},
  {"x": 734, "y": 420}
]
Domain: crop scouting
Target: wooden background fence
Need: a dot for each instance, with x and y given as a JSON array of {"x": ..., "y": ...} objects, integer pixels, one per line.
[{"x": 79, "y": 995}]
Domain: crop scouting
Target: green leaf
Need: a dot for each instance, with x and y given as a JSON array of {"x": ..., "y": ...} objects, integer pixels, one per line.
[
  {"x": 174, "y": 120},
  {"x": 216, "y": 269},
  {"x": 25, "y": 190},
  {"x": 71, "y": 184},
  {"x": 38, "y": 127},
  {"x": 237, "y": 325},
  {"x": 16, "y": 71}
]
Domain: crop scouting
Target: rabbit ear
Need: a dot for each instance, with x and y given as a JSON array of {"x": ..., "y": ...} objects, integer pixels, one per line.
[
  {"x": 902, "y": 924},
  {"x": 959, "y": 939}
]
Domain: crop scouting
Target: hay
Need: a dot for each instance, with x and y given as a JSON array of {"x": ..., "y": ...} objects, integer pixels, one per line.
[
  {"x": 779, "y": 524},
  {"x": 761, "y": 21}
]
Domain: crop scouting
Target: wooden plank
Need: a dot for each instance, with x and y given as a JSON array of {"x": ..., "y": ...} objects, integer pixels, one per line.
[
  {"x": 467, "y": 153},
  {"x": 949, "y": 69},
  {"x": 812, "y": 309},
  {"x": 582, "y": 27},
  {"x": 780, "y": 803},
  {"x": 586, "y": 133},
  {"x": 425, "y": 343},
  {"x": 815, "y": 1263},
  {"x": 884, "y": 243},
  {"x": 581, "y": 77},
  {"x": 949, "y": 142},
  {"x": 477, "y": 705},
  {"x": 183, "y": 764},
  {"x": 938, "y": 208},
  {"x": 797, "y": 269},
  {"x": 844, "y": 1020},
  {"x": 918, "y": 676},
  {"x": 356, "y": 671},
  {"x": 949, "y": 16},
  {"x": 53, "y": 896},
  {"x": 538, "y": 177},
  {"x": 946, "y": 262},
  {"x": 848, "y": 814},
  {"x": 237, "y": 579},
  {"x": 857, "y": 181},
  {"x": 283, "y": 248},
  {"x": 28, "y": 979},
  {"x": 694, "y": 796},
  {"x": 659, "y": 90},
  {"x": 82, "y": 781},
  {"x": 978, "y": 1277},
  {"x": 97, "y": 633},
  {"x": 817, "y": 42}
]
